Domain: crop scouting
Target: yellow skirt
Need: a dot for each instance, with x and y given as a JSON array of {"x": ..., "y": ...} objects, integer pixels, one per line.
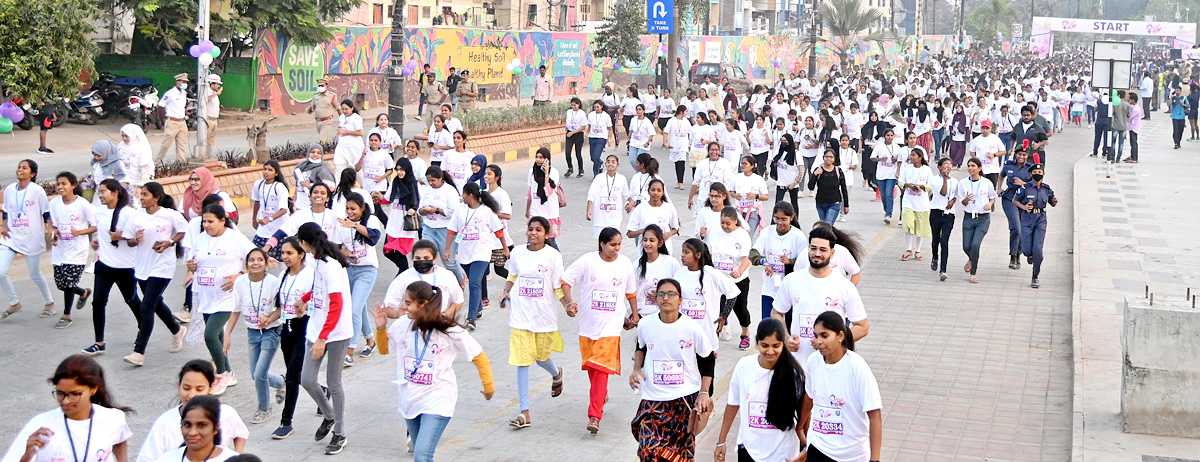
[
  {"x": 602, "y": 355},
  {"x": 916, "y": 223},
  {"x": 525, "y": 347}
]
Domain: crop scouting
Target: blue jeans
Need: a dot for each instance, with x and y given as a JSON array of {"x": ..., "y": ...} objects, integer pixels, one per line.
[
  {"x": 438, "y": 236},
  {"x": 829, "y": 212},
  {"x": 887, "y": 190},
  {"x": 1014, "y": 226},
  {"x": 362, "y": 280},
  {"x": 425, "y": 431},
  {"x": 34, "y": 264},
  {"x": 973, "y": 231},
  {"x": 1118, "y": 145},
  {"x": 596, "y": 150},
  {"x": 634, "y": 152},
  {"x": 1091, "y": 114},
  {"x": 263, "y": 345},
  {"x": 1006, "y": 138},
  {"x": 475, "y": 272},
  {"x": 938, "y": 136}
]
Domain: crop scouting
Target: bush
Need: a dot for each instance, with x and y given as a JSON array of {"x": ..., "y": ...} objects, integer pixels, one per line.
[
  {"x": 503, "y": 119},
  {"x": 235, "y": 158}
]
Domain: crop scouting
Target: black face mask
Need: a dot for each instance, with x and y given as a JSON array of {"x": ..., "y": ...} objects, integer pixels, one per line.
[
  {"x": 1037, "y": 176},
  {"x": 423, "y": 266}
]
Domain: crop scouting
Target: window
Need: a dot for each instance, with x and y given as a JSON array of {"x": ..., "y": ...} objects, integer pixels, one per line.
[
  {"x": 376, "y": 14},
  {"x": 390, "y": 11},
  {"x": 425, "y": 12},
  {"x": 583, "y": 17},
  {"x": 585, "y": 8},
  {"x": 531, "y": 18}
]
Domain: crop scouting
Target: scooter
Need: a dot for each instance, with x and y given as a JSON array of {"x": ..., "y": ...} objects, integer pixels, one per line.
[
  {"x": 142, "y": 107},
  {"x": 33, "y": 112},
  {"x": 86, "y": 108}
]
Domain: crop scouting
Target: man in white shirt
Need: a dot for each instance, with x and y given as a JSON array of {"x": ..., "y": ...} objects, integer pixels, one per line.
[
  {"x": 212, "y": 111},
  {"x": 1147, "y": 94},
  {"x": 175, "y": 102}
]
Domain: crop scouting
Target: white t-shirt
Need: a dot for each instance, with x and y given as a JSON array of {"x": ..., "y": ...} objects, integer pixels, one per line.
[
  {"x": 329, "y": 279},
  {"x": 361, "y": 253},
  {"x": 506, "y": 206},
  {"x": 749, "y": 388},
  {"x": 71, "y": 249},
  {"x": 181, "y": 452},
  {"x": 24, "y": 209},
  {"x": 292, "y": 289},
  {"x": 647, "y": 286},
  {"x": 760, "y": 143},
  {"x": 709, "y": 171},
  {"x": 607, "y": 196},
  {"x": 982, "y": 189},
  {"x": 842, "y": 393},
  {"x": 445, "y": 198},
  {"x": 458, "y": 165},
  {"x": 704, "y": 304},
  {"x": 940, "y": 201},
  {"x": 888, "y": 155},
  {"x": 671, "y": 357},
  {"x": 665, "y": 216},
  {"x": 121, "y": 255},
  {"x": 575, "y": 119},
  {"x": 440, "y": 277},
  {"x": 678, "y": 131},
  {"x": 639, "y": 186},
  {"x": 442, "y": 138},
  {"x": 732, "y": 141},
  {"x": 772, "y": 247},
  {"x": 728, "y": 249},
  {"x": 389, "y": 138},
  {"x": 749, "y": 186},
  {"x": 640, "y": 131},
  {"x": 425, "y": 377},
  {"x": 217, "y": 257},
  {"x": 534, "y": 305},
  {"x": 419, "y": 167},
  {"x": 808, "y": 296},
  {"x": 981, "y": 146},
  {"x": 108, "y": 429},
  {"x": 327, "y": 220},
  {"x": 708, "y": 218},
  {"x": 256, "y": 300},
  {"x": 375, "y": 165},
  {"x": 918, "y": 201},
  {"x": 808, "y": 138},
  {"x": 598, "y": 124},
  {"x": 475, "y": 230},
  {"x": 699, "y": 133},
  {"x": 165, "y": 436},
  {"x": 603, "y": 289},
  {"x": 163, "y": 225},
  {"x": 271, "y": 199}
]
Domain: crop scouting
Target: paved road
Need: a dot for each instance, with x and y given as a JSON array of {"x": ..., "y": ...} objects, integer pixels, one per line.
[{"x": 963, "y": 371}]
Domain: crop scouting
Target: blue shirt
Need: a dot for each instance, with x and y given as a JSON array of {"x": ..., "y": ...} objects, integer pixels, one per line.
[
  {"x": 1039, "y": 196},
  {"x": 1177, "y": 110},
  {"x": 1010, "y": 171}
]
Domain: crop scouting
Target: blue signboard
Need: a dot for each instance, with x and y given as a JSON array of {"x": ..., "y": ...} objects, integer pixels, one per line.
[{"x": 660, "y": 17}]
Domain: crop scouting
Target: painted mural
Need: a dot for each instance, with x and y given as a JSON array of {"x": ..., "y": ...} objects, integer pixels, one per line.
[{"x": 354, "y": 60}]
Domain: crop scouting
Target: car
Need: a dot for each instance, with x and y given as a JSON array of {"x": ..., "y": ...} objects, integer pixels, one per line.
[{"x": 735, "y": 75}]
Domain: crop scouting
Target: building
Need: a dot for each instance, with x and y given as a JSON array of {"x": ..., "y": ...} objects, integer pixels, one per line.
[
  {"x": 114, "y": 29},
  {"x": 463, "y": 13}
]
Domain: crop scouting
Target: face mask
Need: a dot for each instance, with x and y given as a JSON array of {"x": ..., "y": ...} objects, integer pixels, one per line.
[
  {"x": 321, "y": 89},
  {"x": 423, "y": 266},
  {"x": 1037, "y": 176},
  {"x": 182, "y": 86}
]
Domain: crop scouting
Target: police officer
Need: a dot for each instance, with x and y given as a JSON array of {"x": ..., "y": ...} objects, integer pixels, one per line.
[
  {"x": 1032, "y": 199},
  {"x": 325, "y": 112},
  {"x": 1013, "y": 175}
]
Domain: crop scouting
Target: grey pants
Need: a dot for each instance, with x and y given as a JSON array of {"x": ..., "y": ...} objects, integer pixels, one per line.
[{"x": 333, "y": 379}]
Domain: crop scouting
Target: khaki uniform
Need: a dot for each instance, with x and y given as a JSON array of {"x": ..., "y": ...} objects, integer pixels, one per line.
[
  {"x": 467, "y": 103},
  {"x": 326, "y": 115},
  {"x": 210, "y": 138},
  {"x": 436, "y": 95}
]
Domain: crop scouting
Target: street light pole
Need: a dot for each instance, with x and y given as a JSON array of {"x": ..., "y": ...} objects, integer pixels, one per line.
[
  {"x": 395, "y": 110},
  {"x": 203, "y": 17},
  {"x": 812, "y": 42}
]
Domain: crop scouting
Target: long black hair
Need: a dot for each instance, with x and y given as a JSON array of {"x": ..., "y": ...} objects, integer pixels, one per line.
[
  {"x": 662, "y": 247},
  {"x": 211, "y": 406},
  {"x": 156, "y": 191},
  {"x": 484, "y": 197},
  {"x": 345, "y": 184},
  {"x": 312, "y": 234},
  {"x": 115, "y": 187},
  {"x": 429, "y": 317},
  {"x": 541, "y": 179},
  {"x": 701, "y": 251},
  {"x": 87, "y": 372},
  {"x": 786, "y": 208},
  {"x": 835, "y": 322},
  {"x": 437, "y": 172},
  {"x": 279, "y": 178},
  {"x": 719, "y": 187},
  {"x": 787, "y": 379}
]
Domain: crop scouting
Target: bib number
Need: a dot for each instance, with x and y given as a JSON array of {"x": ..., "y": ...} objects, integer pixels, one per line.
[
  {"x": 20, "y": 219},
  {"x": 723, "y": 262},
  {"x": 827, "y": 420},
  {"x": 604, "y": 300},
  {"x": 758, "y": 416},
  {"x": 418, "y": 374},
  {"x": 206, "y": 276},
  {"x": 805, "y": 327},
  {"x": 668, "y": 372},
  {"x": 608, "y": 204},
  {"x": 695, "y": 309},
  {"x": 530, "y": 287}
]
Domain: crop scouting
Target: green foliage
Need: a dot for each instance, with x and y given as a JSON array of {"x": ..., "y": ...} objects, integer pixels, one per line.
[
  {"x": 848, "y": 21},
  {"x": 989, "y": 18},
  {"x": 502, "y": 119},
  {"x": 44, "y": 46},
  {"x": 698, "y": 10},
  {"x": 619, "y": 38}
]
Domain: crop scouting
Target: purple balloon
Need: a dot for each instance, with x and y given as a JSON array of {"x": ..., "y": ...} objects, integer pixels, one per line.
[
  {"x": 194, "y": 50},
  {"x": 6, "y": 109},
  {"x": 17, "y": 116},
  {"x": 205, "y": 47}
]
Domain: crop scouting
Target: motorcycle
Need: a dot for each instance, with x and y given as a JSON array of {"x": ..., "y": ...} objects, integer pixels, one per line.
[
  {"x": 191, "y": 109},
  {"x": 86, "y": 108},
  {"x": 142, "y": 107},
  {"x": 33, "y": 112}
]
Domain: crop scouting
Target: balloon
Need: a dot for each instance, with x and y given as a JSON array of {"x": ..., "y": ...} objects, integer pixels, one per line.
[
  {"x": 194, "y": 50},
  {"x": 517, "y": 71},
  {"x": 6, "y": 125},
  {"x": 206, "y": 46},
  {"x": 206, "y": 59},
  {"x": 411, "y": 64},
  {"x": 6, "y": 109},
  {"x": 216, "y": 51},
  {"x": 18, "y": 116}
]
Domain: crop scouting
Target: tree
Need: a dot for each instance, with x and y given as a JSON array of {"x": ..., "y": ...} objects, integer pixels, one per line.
[
  {"x": 698, "y": 10},
  {"x": 847, "y": 21},
  {"x": 46, "y": 61},
  {"x": 619, "y": 36},
  {"x": 989, "y": 18}
]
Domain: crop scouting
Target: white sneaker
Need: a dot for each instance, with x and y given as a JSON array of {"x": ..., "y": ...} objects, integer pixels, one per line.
[
  {"x": 232, "y": 378},
  {"x": 177, "y": 340},
  {"x": 182, "y": 316},
  {"x": 727, "y": 335},
  {"x": 137, "y": 359},
  {"x": 219, "y": 385}
]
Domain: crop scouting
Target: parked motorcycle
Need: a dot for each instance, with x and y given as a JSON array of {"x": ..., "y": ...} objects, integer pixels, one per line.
[
  {"x": 142, "y": 107},
  {"x": 86, "y": 108},
  {"x": 32, "y": 113}
]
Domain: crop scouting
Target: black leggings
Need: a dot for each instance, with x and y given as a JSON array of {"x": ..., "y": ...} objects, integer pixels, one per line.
[
  {"x": 381, "y": 214},
  {"x": 500, "y": 271},
  {"x": 575, "y": 141},
  {"x": 105, "y": 278},
  {"x": 739, "y": 304},
  {"x": 815, "y": 455},
  {"x": 397, "y": 258},
  {"x": 780, "y": 192},
  {"x": 679, "y": 167},
  {"x": 292, "y": 343}
]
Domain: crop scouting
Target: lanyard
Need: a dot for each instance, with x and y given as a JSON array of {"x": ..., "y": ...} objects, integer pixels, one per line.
[
  {"x": 417, "y": 364},
  {"x": 21, "y": 204},
  {"x": 287, "y": 291},
  {"x": 210, "y": 451},
  {"x": 324, "y": 218},
  {"x": 422, "y": 279},
  {"x": 87, "y": 446},
  {"x": 610, "y": 184},
  {"x": 470, "y": 218},
  {"x": 211, "y": 240},
  {"x": 257, "y": 301}
]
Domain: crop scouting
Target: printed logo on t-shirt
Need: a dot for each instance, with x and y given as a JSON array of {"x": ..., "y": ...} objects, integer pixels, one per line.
[
  {"x": 833, "y": 303},
  {"x": 758, "y": 415},
  {"x": 668, "y": 372}
]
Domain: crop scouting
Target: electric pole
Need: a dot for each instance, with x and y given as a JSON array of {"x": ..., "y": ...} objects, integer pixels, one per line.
[
  {"x": 812, "y": 41},
  {"x": 673, "y": 50},
  {"x": 395, "y": 110},
  {"x": 202, "y": 89}
]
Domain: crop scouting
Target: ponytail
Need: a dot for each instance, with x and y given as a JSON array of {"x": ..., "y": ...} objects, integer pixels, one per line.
[
  {"x": 115, "y": 187},
  {"x": 312, "y": 234},
  {"x": 835, "y": 322}
]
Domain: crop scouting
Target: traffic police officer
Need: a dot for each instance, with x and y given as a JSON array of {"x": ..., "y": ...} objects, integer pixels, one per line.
[
  {"x": 325, "y": 112},
  {"x": 1015, "y": 174},
  {"x": 1032, "y": 199}
]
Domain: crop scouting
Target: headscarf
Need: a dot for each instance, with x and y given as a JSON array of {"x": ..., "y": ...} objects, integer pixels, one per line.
[
  {"x": 404, "y": 190},
  {"x": 110, "y": 161},
  {"x": 318, "y": 171},
  {"x": 477, "y": 178},
  {"x": 136, "y": 153},
  {"x": 193, "y": 199},
  {"x": 786, "y": 150}
]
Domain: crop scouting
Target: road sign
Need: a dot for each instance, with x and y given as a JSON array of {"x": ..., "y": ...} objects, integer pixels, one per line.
[
  {"x": 1112, "y": 65},
  {"x": 660, "y": 17},
  {"x": 1017, "y": 29}
]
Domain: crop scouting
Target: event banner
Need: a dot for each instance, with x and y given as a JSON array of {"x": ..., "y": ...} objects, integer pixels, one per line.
[{"x": 1184, "y": 33}]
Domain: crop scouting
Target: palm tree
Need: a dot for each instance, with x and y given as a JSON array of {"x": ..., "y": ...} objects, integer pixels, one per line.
[{"x": 848, "y": 23}]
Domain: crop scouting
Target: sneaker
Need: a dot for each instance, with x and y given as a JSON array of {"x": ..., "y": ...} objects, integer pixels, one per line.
[
  {"x": 219, "y": 385},
  {"x": 367, "y": 351},
  {"x": 1034, "y": 284},
  {"x": 324, "y": 428},
  {"x": 63, "y": 323},
  {"x": 579, "y": 175},
  {"x": 409, "y": 438},
  {"x": 79, "y": 304},
  {"x": 887, "y": 220},
  {"x": 348, "y": 361},
  {"x": 261, "y": 416},
  {"x": 471, "y": 324},
  {"x": 232, "y": 378},
  {"x": 95, "y": 350},
  {"x": 745, "y": 343},
  {"x": 182, "y": 316},
  {"x": 177, "y": 340},
  {"x": 280, "y": 394},
  {"x": 417, "y": 117},
  {"x": 570, "y": 171},
  {"x": 593, "y": 425},
  {"x": 137, "y": 359},
  {"x": 336, "y": 445},
  {"x": 727, "y": 335},
  {"x": 842, "y": 218},
  {"x": 282, "y": 432},
  {"x": 942, "y": 277},
  {"x": 45, "y": 150},
  {"x": 933, "y": 265},
  {"x": 1029, "y": 259}
]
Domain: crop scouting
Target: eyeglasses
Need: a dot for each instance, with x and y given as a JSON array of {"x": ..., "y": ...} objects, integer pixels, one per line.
[
  {"x": 73, "y": 397},
  {"x": 194, "y": 180},
  {"x": 668, "y": 295}
]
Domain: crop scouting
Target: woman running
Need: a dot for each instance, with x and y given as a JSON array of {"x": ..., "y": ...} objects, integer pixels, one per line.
[
  {"x": 72, "y": 220},
  {"x": 608, "y": 294},
  {"x": 271, "y": 208},
  {"x": 114, "y": 259},
  {"x": 654, "y": 264},
  {"x": 639, "y": 183},
  {"x": 676, "y": 134},
  {"x": 295, "y": 286},
  {"x": 493, "y": 176},
  {"x": 700, "y": 136},
  {"x": 673, "y": 370},
  {"x": 733, "y": 141},
  {"x": 787, "y": 172},
  {"x": 425, "y": 252},
  {"x": 978, "y": 197},
  {"x": 472, "y": 228},
  {"x": 438, "y": 203},
  {"x": 777, "y": 251},
  {"x": 713, "y": 169},
  {"x": 729, "y": 245},
  {"x": 841, "y": 397},
  {"x": 22, "y": 233},
  {"x": 770, "y": 387},
  {"x": 347, "y": 185},
  {"x": 155, "y": 232},
  {"x": 403, "y": 198},
  {"x": 349, "y": 150},
  {"x": 600, "y": 130},
  {"x": 376, "y": 168},
  {"x": 759, "y": 139},
  {"x": 318, "y": 213},
  {"x": 1014, "y": 175},
  {"x": 710, "y": 215},
  {"x": 428, "y": 388},
  {"x": 655, "y": 211},
  {"x": 440, "y": 140},
  {"x": 389, "y": 138},
  {"x": 914, "y": 215},
  {"x": 749, "y": 190},
  {"x": 703, "y": 287},
  {"x": 256, "y": 300},
  {"x": 604, "y": 208},
  {"x": 201, "y": 427},
  {"x": 358, "y": 235},
  {"x": 536, "y": 271},
  {"x": 216, "y": 260},
  {"x": 85, "y": 407},
  {"x": 196, "y": 378}
]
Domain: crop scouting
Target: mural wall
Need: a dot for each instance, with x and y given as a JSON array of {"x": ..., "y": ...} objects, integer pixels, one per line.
[{"x": 354, "y": 60}]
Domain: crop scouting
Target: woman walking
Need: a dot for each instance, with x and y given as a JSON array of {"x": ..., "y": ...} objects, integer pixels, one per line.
[
  {"x": 576, "y": 122},
  {"x": 600, "y": 129},
  {"x": 358, "y": 235},
  {"x": 1013, "y": 175},
  {"x": 295, "y": 285},
  {"x": 536, "y": 271},
  {"x": 729, "y": 245},
  {"x": 605, "y": 197},
  {"x": 978, "y": 197},
  {"x": 349, "y": 149},
  {"x": 639, "y": 183},
  {"x": 543, "y": 199},
  {"x": 114, "y": 259},
  {"x": 438, "y": 203},
  {"x": 655, "y": 211},
  {"x": 941, "y": 215},
  {"x": 714, "y": 169},
  {"x": 201, "y": 428},
  {"x": 477, "y": 230},
  {"x": 71, "y": 220},
  {"x": 22, "y": 232},
  {"x": 769, "y": 386},
  {"x": 673, "y": 370},
  {"x": 155, "y": 232},
  {"x": 887, "y": 154},
  {"x": 217, "y": 259},
  {"x": 703, "y": 289},
  {"x": 700, "y": 136},
  {"x": 749, "y": 190},
  {"x": 311, "y": 172},
  {"x": 255, "y": 300},
  {"x": 831, "y": 193},
  {"x": 841, "y": 396},
  {"x": 776, "y": 251},
  {"x": 196, "y": 378},
  {"x": 271, "y": 210},
  {"x": 676, "y": 134},
  {"x": 403, "y": 198},
  {"x": 914, "y": 215},
  {"x": 787, "y": 172},
  {"x": 654, "y": 264},
  {"x": 959, "y": 131}
]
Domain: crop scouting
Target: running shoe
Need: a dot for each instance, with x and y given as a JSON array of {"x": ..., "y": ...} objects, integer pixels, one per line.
[
  {"x": 261, "y": 416},
  {"x": 348, "y": 361},
  {"x": 219, "y": 385},
  {"x": 336, "y": 445},
  {"x": 94, "y": 350},
  {"x": 745, "y": 343},
  {"x": 45, "y": 150},
  {"x": 282, "y": 432},
  {"x": 232, "y": 378},
  {"x": 177, "y": 339},
  {"x": 137, "y": 359},
  {"x": 367, "y": 351},
  {"x": 324, "y": 428}
]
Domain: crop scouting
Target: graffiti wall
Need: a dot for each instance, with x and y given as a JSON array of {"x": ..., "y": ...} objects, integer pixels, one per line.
[{"x": 353, "y": 60}]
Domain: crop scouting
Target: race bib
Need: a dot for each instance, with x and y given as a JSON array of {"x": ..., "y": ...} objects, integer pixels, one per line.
[
  {"x": 420, "y": 374},
  {"x": 758, "y": 415},
  {"x": 748, "y": 203},
  {"x": 372, "y": 173},
  {"x": 251, "y": 319},
  {"x": 667, "y": 372},
  {"x": 471, "y": 233},
  {"x": 759, "y": 144},
  {"x": 530, "y": 286},
  {"x": 608, "y": 203},
  {"x": 64, "y": 233},
  {"x": 723, "y": 262},
  {"x": 776, "y": 263},
  {"x": 827, "y": 420},
  {"x": 206, "y": 276},
  {"x": 604, "y": 300},
  {"x": 20, "y": 219},
  {"x": 358, "y": 251},
  {"x": 804, "y": 327},
  {"x": 694, "y": 308}
]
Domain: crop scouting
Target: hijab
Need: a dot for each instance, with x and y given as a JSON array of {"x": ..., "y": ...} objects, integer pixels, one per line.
[
  {"x": 110, "y": 161},
  {"x": 193, "y": 199},
  {"x": 404, "y": 190},
  {"x": 318, "y": 171},
  {"x": 136, "y": 153},
  {"x": 477, "y": 178},
  {"x": 787, "y": 150}
]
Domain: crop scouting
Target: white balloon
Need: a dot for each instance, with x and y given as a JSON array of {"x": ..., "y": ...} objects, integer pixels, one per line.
[{"x": 205, "y": 59}]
